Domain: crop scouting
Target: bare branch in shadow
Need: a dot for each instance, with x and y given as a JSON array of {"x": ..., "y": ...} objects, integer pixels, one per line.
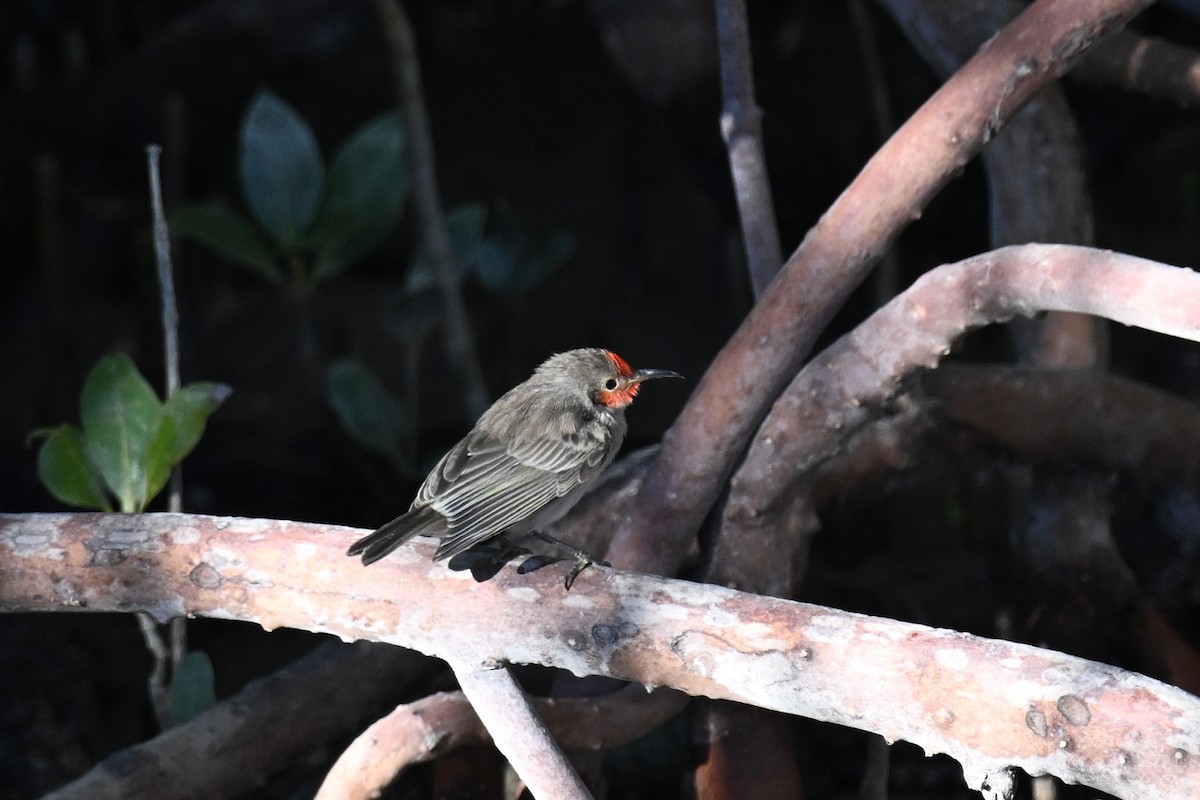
[
  {"x": 1145, "y": 64},
  {"x": 841, "y": 389},
  {"x": 700, "y": 450},
  {"x": 434, "y": 725},
  {"x": 518, "y": 731},
  {"x": 239, "y": 743}
]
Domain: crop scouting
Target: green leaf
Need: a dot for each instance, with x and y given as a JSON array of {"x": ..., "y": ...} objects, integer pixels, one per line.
[
  {"x": 189, "y": 408},
  {"x": 519, "y": 265},
  {"x": 372, "y": 415},
  {"x": 281, "y": 170},
  {"x": 64, "y": 470},
  {"x": 121, "y": 416},
  {"x": 413, "y": 316},
  {"x": 231, "y": 236},
  {"x": 156, "y": 462},
  {"x": 464, "y": 225},
  {"x": 368, "y": 181},
  {"x": 180, "y": 428},
  {"x": 193, "y": 687}
]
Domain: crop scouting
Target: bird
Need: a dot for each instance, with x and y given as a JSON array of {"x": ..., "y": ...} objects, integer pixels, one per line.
[{"x": 527, "y": 461}]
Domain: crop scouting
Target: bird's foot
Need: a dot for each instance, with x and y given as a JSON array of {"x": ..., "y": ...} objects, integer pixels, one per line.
[{"x": 583, "y": 560}]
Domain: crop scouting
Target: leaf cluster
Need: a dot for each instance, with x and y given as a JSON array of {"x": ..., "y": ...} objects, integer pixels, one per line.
[{"x": 129, "y": 441}]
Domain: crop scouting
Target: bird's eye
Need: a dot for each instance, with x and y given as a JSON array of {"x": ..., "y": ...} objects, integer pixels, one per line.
[{"x": 610, "y": 385}]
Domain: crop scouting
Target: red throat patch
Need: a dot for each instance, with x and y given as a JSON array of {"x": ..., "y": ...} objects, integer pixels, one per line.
[
  {"x": 623, "y": 368},
  {"x": 624, "y": 395},
  {"x": 621, "y": 397}
]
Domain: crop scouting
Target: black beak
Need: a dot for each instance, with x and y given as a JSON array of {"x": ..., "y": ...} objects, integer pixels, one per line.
[{"x": 650, "y": 374}]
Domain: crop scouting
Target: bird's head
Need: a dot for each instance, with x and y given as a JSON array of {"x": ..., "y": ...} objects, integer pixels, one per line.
[{"x": 605, "y": 377}]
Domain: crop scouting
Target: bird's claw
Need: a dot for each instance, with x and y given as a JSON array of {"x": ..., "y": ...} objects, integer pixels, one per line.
[
  {"x": 580, "y": 565},
  {"x": 582, "y": 562}
]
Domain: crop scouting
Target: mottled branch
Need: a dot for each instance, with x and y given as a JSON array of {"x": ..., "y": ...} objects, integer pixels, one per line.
[{"x": 989, "y": 704}]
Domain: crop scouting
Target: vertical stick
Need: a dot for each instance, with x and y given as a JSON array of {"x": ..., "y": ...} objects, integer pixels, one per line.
[
  {"x": 518, "y": 732},
  {"x": 741, "y": 126},
  {"x": 170, "y": 324},
  {"x": 460, "y": 341}
]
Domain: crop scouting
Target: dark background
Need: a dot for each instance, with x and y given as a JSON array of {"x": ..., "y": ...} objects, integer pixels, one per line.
[{"x": 594, "y": 118}]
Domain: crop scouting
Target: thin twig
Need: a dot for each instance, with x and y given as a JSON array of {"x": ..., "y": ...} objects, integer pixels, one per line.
[
  {"x": 166, "y": 277},
  {"x": 156, "y": 682},
  {"x": 518, "y": 732},
  {"x": 170, "y": 326},
  {"x": 407, "y": 73},
  {"x": 741, "y": 127}
]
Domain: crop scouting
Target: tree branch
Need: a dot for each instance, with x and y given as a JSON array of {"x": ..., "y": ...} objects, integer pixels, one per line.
[
  {"x": 407, "y": 71},
  {"x": 840, "y": 389},
  {"x": 1145, "y": 64},
  {"x": 239, "y": 743},
  {"x": 989, "y": 704},
  {"x": 1097, "y": 419},
  {"x": 434, "y": 725},
  {"x": 700, "y": 449},
  {"x": 1037, "y": 188},
  {"x": 518, "y": 731},
  {"x": 741, "y": 127}
]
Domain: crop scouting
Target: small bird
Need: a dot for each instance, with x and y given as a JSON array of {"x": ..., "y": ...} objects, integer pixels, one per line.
[{"x": 528, "y": 459}]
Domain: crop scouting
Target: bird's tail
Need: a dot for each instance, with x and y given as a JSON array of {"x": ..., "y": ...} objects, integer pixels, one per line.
[{"x": 421, "y": 522}]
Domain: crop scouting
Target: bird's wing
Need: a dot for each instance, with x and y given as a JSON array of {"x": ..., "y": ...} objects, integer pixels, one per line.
[{"x": 487, "y": 486}]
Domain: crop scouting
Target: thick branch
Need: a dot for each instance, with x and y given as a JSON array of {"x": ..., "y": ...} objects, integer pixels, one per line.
[
  {"x": 700, "y": 449},
  {"x": 238, "y": 744},
  {"x": 1096, "y": 419},
  {"x": 988, "y": 704},
  {"x": 838, "y": 391},
  {"x": 1037, "y": 188},
  {"x": 519, "y": 732},
  {"x": 1145, "y": 64}
]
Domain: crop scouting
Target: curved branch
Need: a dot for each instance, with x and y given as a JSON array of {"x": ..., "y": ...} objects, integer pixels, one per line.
[
  {"x": 1037, "y": 188},
  {"x": 989, "y": 704},
  {"x": 434, "y": 725},
  {"x": 700, "y": 449},
  {"x": 837, "y": 392}
]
